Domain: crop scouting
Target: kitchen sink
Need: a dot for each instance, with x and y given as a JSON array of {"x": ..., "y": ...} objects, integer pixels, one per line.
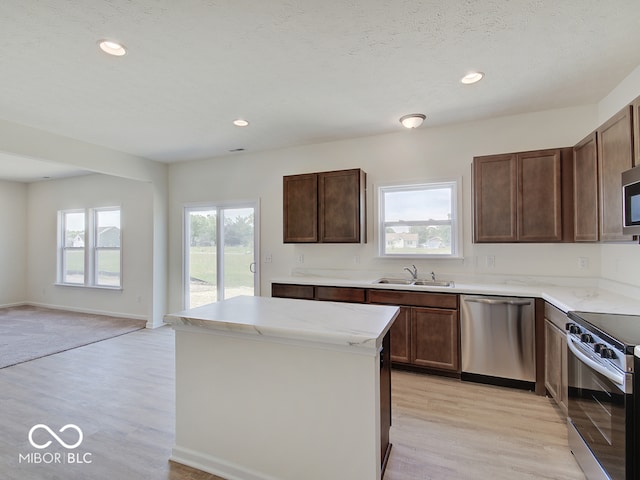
[
  {"x": 419, "y": 282},
  {"x": 394, "y": 281},
  {"x": 434, "y": 283}
]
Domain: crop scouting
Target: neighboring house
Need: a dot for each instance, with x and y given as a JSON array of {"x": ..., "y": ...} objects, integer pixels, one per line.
[
  {"x": 402, "y": 240},
  {"x": 109, "y": 237},
  {"x": 78, "y": 241}
]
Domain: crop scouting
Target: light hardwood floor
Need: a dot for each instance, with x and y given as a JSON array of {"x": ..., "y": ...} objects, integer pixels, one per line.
[{"x": 120, "y": 392}]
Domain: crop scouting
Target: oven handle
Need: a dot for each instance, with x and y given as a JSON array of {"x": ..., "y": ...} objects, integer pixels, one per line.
[{"x": 617, "y": 379}]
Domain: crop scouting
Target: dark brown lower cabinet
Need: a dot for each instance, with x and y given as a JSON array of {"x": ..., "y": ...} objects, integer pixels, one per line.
[
  {"x": 434, "y": 338},
  {"x": 385, "y": 400},
  {"x": 400, "y": 337},
  {"x": 426, "y": 333}
]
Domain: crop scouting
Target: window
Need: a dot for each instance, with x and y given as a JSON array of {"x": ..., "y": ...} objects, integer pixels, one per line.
[
  {"x": 419, "y": 220},
  {"x": 90, "y": 247}
]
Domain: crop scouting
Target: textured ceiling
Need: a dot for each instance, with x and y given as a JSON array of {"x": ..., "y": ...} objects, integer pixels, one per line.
[{"x": 301, "y": 71}]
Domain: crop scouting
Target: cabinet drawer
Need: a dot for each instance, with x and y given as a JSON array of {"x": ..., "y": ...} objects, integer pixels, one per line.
[
  {"x": 340, "y": 294},
  {"x": 415, "y": 299},
  {"x": 305, "y": 292}
]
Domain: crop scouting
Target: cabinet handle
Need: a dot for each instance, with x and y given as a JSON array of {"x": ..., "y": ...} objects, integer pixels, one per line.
[{"x": 495, "y": 301}]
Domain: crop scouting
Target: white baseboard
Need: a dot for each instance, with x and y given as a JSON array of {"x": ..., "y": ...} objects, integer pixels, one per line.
[
  {"x": 216, "y": 466},
  {"x": 89, "y": 311}
]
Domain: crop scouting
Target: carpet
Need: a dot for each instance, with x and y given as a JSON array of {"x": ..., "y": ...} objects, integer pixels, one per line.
[{"x": 28, "y": 332}]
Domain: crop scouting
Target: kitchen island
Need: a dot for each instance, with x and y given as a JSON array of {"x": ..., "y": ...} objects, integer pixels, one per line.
[{"x": 271, "y": 388}]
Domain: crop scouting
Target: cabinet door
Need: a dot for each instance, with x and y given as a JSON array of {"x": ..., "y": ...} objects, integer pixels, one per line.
[
  {"x": 585, "y": 192},
  {"x": 556, "y": 375},
  {"x": 400, "y": 335},
  {"x": 435, "y": 338},
  {"x": 341, "y": 214},
  {"x": 300, "y": 208},
  {"x": 539, "y": 201},
  {"x": 615, "y": 155},
  {"x": 385, "y": 401},
  {"x": 494, "y": 182},
  {"x": 553, "y": 366}
]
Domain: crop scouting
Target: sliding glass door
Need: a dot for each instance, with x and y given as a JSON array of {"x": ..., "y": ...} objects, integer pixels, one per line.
[{"x": 220, "y": 253}]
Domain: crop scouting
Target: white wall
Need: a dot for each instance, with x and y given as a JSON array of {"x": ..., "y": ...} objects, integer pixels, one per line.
[
  {"x": 421, "y": 154},
  {"x": 137, "y": 216},
  {"x": 13, "y": 242}
]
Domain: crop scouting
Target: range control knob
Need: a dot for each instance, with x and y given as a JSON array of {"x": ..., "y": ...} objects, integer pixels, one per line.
[
  {"x": 598, "y": 347},
  {"x": 586, "y": 338},
  {"x": 573, "y": 328},
  {"x": 606, "y": 352}
]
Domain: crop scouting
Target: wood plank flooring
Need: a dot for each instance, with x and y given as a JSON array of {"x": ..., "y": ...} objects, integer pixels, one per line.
[{"x": 120, "y": 392}]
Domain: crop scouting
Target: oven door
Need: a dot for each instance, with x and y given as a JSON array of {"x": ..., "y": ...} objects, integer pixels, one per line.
[{"x": 601, "y": 410}]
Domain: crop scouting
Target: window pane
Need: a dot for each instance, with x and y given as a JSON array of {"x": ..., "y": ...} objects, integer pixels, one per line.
[
  {"x": 202, "y": 257},
  {"x": 108, "y": 228},
  {"x": 74, "y": 229},
  {"x": 418, "y": 240},
  {"x": 238, "y": 252},
  {"x": 418, "y": 204},
  {"x": 108, "y": 268},
  {"x": 73, "y": 266}
]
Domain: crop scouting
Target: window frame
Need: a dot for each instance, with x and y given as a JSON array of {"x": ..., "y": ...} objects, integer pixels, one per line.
[
  {"x": 454, "y": 184},
  {"x": 91, "y": 248}
]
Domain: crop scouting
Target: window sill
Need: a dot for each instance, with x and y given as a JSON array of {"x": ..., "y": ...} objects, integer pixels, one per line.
[
  {"x": 93, "y": 287},
  {"x": 423, "y": 257}
]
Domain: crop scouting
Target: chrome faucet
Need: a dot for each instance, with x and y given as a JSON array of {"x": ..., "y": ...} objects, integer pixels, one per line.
[{"x": 414, "y": 272}]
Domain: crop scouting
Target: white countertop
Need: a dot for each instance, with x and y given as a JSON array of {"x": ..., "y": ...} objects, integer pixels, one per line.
[
  {"x": 566, "y": 298},
  {"x": 351, "y": 325}
]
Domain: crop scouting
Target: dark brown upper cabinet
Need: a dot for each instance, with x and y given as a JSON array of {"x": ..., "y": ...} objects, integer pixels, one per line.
[
  {"x": 522, "y": 197},
  {"x": 325, "y": 207},
  {"x": 585, "y": 193},
  {"x": 615, "y": 155}
]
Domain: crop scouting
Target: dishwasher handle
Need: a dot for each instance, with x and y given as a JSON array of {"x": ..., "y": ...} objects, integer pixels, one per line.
[{"x": 498, "y": 301}]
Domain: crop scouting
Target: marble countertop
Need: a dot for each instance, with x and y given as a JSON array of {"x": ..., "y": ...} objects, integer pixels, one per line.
[
  {"x": 345, "y": 325},
  {"x": 566, "y": 297}
]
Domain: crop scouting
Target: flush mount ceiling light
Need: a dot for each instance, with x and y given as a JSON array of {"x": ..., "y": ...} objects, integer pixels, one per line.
[
  {"x": 472, "y": 77},
  {"x": 112, "y": 48},
  {"x": 413, "y": 120},
  {"x": 240, "y": 122}
]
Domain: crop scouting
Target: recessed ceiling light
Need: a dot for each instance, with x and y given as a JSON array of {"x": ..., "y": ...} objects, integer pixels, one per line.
[
  {"x": 413, "y": 120},
  {"x": 112, "y": 48},
  {"x": 472, "y": 77},
  {"x": 240, "y": 122}
]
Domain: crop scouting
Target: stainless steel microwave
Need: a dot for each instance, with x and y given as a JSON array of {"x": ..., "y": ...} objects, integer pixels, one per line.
[{"x": 631, "y": 201}]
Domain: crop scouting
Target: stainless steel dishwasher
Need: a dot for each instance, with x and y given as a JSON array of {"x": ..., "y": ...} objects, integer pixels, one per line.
[{"x": 498, "y": 340}]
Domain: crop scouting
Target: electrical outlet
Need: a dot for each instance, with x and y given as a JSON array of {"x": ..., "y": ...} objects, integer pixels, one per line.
[
  {"x": 301, "y": 258},
  {"x": 356, "y": 259},
  {"x": 583, "y": 263},
  {"x": 268, "y": 258},
  {"x": 491, "y": 261}
]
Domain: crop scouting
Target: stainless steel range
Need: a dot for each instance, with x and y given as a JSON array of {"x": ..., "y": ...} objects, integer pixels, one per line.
[{"x": 603, "y": 394}]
